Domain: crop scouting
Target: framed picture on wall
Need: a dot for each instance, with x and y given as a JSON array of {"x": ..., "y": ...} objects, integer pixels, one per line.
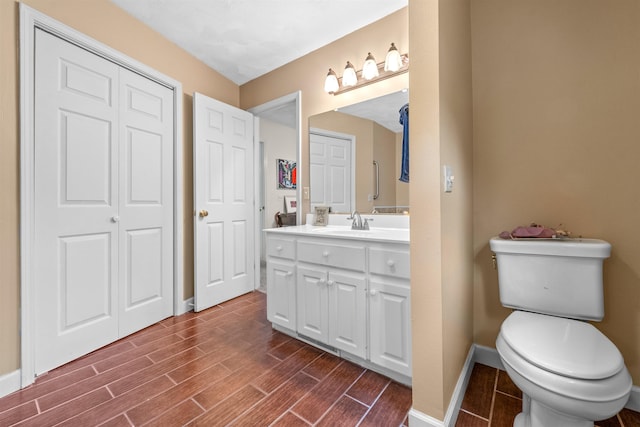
[
  {"x": 290, "y": 204},
  {"x": 287, "y": 178}
]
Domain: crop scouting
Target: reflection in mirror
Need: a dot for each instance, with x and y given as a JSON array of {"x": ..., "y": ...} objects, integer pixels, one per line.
[{"x": 355, "y": 157}]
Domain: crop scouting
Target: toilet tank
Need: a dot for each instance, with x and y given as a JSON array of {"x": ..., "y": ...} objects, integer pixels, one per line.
[{"x": 552, "y": 276}]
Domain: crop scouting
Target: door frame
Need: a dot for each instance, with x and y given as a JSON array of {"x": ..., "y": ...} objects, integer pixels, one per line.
[
  {"x": 30, "y": 19},
  {"x": 259, "y": 180}
]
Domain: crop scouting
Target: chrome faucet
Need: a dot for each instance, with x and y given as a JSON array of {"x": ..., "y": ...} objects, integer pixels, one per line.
[{"x": 357, "y": 223}]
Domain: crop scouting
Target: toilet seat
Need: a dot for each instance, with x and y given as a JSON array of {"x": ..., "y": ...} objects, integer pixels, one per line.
[
  {"x": 588, "y": 399},
  {"x": 567, "y": 347}
]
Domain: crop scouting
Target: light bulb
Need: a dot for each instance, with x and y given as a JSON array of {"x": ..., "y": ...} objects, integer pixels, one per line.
[
  {"x": 331, "y": 82},
  {"x": 393, "y": 62},
  {"x": 370, "y": 68},
  {"x": 349, "y": 78}
]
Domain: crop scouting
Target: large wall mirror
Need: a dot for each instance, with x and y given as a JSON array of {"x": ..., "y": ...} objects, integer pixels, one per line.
[{"x": 355, "y": 157}]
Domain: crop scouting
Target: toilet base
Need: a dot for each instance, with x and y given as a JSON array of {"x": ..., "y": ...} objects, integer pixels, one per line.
[{"x": 535, "y": 414}]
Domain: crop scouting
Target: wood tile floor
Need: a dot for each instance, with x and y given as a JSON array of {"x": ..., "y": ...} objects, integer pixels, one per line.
[
  {"x": 226, "y": 366},
  {"x": 492, "y": 400},
  {"x": 222, "y": 366}
]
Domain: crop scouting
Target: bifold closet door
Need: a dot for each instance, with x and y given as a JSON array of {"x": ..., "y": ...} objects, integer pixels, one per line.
[
  {"x": 146, "y": 202},
  {"x": 103, "y": 202}
]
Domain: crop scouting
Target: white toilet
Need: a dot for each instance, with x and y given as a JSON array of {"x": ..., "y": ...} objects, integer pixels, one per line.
[{"x": 570, "y": 374}]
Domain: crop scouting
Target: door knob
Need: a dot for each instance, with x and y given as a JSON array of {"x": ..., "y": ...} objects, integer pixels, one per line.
[
  {"x": 204, "y": 213},
  {"x": 115, "y": 218}
]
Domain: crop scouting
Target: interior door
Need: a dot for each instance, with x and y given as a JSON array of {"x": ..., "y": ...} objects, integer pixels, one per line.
[
  {"x": 103, "y": 246},
  {"x": 223, "y": 175},
  {"x": 146, "y": 202},
  {"x": 330, "y": 177}
]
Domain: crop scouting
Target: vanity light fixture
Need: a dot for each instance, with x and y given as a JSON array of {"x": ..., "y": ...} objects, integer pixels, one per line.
[{"x": 371, "y": 72}]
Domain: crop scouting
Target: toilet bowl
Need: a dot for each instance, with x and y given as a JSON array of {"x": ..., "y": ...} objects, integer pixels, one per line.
[{"x": 570, "y": 374}]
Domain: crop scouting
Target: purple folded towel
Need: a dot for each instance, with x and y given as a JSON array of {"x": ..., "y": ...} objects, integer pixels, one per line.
[{"x": 532, "y": 231}]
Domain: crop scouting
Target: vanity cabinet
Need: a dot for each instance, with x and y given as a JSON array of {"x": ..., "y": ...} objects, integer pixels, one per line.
[
  {"x": 351, "y": 296},
  {"x": 332, "y": 308},
  {"x": 390, "y": 307},
  {"x": 281, "y": 282},
  {"x": 332, "y": 293}
]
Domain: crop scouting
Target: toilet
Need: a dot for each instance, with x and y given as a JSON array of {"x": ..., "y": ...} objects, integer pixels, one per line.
[{"x": 569, "y": 373}]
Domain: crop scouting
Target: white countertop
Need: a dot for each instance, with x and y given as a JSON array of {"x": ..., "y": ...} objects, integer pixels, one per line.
[{"x": 382, "y": 234}]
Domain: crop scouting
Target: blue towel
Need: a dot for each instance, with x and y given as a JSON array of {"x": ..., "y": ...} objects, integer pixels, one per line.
[{"x": 404, "y": 120}]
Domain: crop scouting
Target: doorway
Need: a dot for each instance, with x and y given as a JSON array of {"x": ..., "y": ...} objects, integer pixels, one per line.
[{"x": 281, "y": 115}]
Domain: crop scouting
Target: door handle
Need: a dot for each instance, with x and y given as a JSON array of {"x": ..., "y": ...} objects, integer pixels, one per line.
[{"x": 204, "y": 213}]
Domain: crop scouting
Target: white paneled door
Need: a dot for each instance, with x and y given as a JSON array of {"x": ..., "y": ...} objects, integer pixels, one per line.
[
  {"x": 223, "y": 178},
  {"x": 103, "y": 202},
  {"x": 330, "y": 172}
]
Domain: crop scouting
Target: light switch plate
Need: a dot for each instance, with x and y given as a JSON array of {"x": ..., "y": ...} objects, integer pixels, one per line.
[{"x": 448, "y": 178}]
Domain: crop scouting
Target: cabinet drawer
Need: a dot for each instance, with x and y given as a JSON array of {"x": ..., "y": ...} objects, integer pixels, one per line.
[
  {"x": 389, "y": 263},
  {"x": 346, "y": 256},
  {"x": 281, "y": 248}
]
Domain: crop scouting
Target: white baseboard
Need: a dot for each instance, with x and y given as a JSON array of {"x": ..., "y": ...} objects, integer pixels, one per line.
[
  {"x": 634, "y": 400},
  {"x": 186, "y": 306},
  {"x": 419, "y": 419},
  {"x": 487, "y": 356},
  {"x": 9, "y": 383},
  {"x": 490, "y": 357}
]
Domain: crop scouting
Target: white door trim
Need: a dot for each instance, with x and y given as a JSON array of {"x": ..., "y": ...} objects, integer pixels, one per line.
[
  {"x": 30, "y": 19},
  {"x": 275, "y": 103}
]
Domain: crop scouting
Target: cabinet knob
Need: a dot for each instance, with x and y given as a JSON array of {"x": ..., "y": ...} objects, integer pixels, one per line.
[
  {"x": 325, "y": 254},
  {"x": 115, "y": 218},
  {"x": 391, "y": 263},
  {"x": 330, "y": 282},
  {"x": 322, "y": 282},
  {"x": 289, "y": 274},
  {"x": 373, "y": 292}
]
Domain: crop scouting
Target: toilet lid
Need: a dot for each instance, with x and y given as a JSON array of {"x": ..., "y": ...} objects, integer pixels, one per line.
[{"x": 567, "y": 347}]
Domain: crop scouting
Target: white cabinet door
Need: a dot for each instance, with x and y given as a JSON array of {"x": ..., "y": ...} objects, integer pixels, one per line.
[
  {"x": 347, "y": 313},
  {"x": 390, "y": 324},
  {"x": 312, "y": 305},
  {"x": 281, "y": 293}
]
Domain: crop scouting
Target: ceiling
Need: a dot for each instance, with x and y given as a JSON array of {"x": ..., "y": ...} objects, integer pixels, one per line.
[
  {"x": 384, "y": 110},
  {"x": 244, "y": 39}
]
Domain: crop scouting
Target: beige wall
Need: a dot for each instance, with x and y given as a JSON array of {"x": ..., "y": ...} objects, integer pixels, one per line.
[
  {"x": 556, "y": 102},
  {"x": 384, "y": 152},
  {"x": 456, "y": 142},
  {"x": 110, "y": 25},
  {"x": 373, "y": 142},
  {"x": 441, "y": 233}
]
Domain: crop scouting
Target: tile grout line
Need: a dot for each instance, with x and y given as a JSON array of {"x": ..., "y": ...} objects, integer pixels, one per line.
[
  {"x": 493, "y": 396},
  {"x": 369, "y": 407}
]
